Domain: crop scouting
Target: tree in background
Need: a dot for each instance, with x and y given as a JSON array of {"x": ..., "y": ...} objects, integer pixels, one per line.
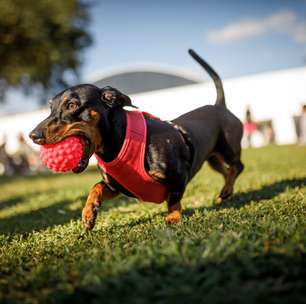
[{"x": 41, "y": 42}]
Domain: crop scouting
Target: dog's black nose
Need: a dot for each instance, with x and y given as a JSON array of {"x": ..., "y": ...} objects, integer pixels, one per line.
[{"x": 37, "y": 136}]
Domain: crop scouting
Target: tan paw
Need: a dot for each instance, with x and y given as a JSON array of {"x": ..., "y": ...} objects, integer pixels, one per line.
[
  {"x": 219, "y": 200},
  {"x": 173, "y": 217},
  {"x": 89, "y": 215}
]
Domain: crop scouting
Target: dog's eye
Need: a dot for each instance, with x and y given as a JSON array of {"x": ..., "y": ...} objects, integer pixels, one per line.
[{"x": 72, "y": 106}]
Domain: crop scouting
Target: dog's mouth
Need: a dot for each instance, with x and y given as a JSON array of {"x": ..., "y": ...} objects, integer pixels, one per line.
[
  {"x": 88, "y": 149},
  {"x": 87, "y": 152}
]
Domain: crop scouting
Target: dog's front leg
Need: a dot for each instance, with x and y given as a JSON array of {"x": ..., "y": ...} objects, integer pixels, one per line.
[
  {"x": 174, "y": 200},
  {"x": 174, "y": 208},
  {"x": 98, "y": 193}
]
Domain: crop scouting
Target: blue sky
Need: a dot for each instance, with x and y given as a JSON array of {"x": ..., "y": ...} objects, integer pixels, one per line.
[{"x": 236, "y": 37}]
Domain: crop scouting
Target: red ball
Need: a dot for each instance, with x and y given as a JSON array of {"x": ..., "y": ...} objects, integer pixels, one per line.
[{"x": 64, "y": 155}]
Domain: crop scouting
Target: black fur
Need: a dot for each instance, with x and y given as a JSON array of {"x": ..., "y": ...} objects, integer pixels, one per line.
[{"x": 174, "y": 152}]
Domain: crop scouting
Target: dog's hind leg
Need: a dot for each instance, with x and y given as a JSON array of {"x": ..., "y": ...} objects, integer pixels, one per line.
[
  {"x": 98, "y": 193},
  {"x": 230, "y": 171},
  {"x": 229, "y": 150},
  {"x": 217, "y": 163},
  {"x": 234, "y": 170}
]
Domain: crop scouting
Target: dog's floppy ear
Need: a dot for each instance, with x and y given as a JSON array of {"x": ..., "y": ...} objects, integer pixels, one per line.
[{"x": 114, "y": 98}]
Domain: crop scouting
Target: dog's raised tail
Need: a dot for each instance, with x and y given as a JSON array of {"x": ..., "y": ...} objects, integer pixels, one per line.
[{"x": 218, "y": 83}]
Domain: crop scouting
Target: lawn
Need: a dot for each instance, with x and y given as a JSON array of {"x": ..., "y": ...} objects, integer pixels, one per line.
[{"x": 251, "y": 249}]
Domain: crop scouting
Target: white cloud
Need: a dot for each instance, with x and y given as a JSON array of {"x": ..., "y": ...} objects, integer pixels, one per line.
[
  {"x": 300, "y": 33},
  {"x": 284, "y": 21}
]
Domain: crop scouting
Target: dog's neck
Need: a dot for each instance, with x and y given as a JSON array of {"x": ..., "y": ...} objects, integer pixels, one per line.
[{"x": 112, "y": 127}]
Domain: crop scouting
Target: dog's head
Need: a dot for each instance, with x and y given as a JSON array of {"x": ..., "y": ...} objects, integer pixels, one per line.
[{"x": 78, "y": 111}]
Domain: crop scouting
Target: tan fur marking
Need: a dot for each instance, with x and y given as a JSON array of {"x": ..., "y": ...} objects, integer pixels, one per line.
[
  {"x": 98, "y": 193},
  {"x": 95, "y": 115},
  {"x": 174, "y": 214},
  {"x": 174, "y": 217},
  {"x": 157, "y": 175},
  {"x": 108, "y": 95}
]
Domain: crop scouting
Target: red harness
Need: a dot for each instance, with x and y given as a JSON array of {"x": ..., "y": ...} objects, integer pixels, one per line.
[{"x": 128, "y": 167}]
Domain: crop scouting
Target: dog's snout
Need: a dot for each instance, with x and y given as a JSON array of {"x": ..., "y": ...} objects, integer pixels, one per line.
[{"x": 37, "y": 136}]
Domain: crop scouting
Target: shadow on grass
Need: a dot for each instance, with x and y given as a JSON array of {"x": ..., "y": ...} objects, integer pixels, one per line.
[
  {"x": 270, "y": 278},
  {"x": 12, "y": 201},
  {"x": 42, "y": 218},
  {"x": 18, "y": 199},
  {"x": 238, "y": 200},
  {"x": 56, "y": 214},
  {"x": 264, "y": 193},
  {"x": 59, "y": 213},
  {"x": 241, "y": 199}
]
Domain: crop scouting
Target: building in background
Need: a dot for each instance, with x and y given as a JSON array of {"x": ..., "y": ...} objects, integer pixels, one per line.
[
  {"x": 141, "y": 79},
  {"x": 274, "y": 98}
]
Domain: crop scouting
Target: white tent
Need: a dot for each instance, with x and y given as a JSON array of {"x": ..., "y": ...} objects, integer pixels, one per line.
[{"x": 275, "y": 96}]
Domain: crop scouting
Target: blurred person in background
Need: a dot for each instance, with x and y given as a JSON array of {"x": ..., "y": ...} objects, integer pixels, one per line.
[
  {"x": 21, "y": 157},
  {"x": 268, "y": 133},
  {"x": 25, "y": 157},
  {"x": 6, "y": 162},
  {"x": 23, "y": 162},
  {"x": 249, "y": 127},
  {"x": 303, "y": 126}
]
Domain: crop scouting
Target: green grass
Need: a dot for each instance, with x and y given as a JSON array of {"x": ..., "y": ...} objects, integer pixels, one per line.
[{"x": 252, "y": 249}]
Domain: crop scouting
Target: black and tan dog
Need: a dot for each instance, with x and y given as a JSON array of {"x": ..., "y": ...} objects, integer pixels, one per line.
[{"x": 174, "y": 151}]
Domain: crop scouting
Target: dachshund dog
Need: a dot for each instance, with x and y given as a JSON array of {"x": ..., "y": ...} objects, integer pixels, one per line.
[{"x": 173, "y": 152}]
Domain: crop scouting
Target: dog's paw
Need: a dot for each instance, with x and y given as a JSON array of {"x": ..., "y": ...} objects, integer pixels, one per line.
[
  {"x": 226, "y": 192},
  {"x": 219, "y": 200},
  {"x": 174, "y": 217},
  {"x": 89, "y": 215}
]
